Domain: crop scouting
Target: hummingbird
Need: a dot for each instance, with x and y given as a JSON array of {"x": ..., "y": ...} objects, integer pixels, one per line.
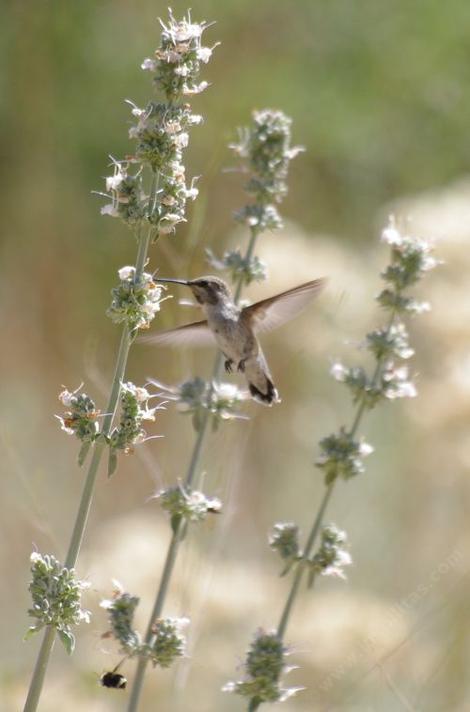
[{"x": 235, "y": 329}]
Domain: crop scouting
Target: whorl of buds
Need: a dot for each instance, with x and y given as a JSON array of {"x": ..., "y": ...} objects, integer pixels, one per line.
[
  {"x": 265, "y": 150},
  {"x": 246, "y": 269},
  {"x": 341, "y": 456},
  {"x": 284, "y": 539},
  {"x": 134, "y": 410},
  {"x": 168, "y": 642},
  {"x": 184, "y": 504},
  {"x": 135, "y": 301},
  {"x": 198, "y": 396},
  {"x": 332, "y": 555},
  {"x": 264, "y": 665},
  {"x": 56, "y": 593},
  {"x": 161, "y": 134},
  {"x": 121, "y": 610}
]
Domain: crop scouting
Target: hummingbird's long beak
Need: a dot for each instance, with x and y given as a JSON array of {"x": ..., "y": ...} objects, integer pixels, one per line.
[{"x": 175, "y": 281}]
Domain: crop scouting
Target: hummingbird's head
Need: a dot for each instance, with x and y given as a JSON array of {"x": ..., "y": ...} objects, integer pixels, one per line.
[
  {"x": 209, "y": 290},
  {"x": 206, "y": 290}
]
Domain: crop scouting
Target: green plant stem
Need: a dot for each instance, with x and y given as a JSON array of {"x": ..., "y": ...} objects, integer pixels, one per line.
[
  {"x": 178, "y": 534},
  {"x": 76, "y": 540},
  {"x": 281, "y": 629},
  {"x": 323, "y": 506},
  {"x": 254, "y": 703},
  {"x": 40, "y": 669}
]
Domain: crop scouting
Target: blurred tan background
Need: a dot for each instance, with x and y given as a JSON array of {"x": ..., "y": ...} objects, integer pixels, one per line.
[{"x": 378, "y": 93}]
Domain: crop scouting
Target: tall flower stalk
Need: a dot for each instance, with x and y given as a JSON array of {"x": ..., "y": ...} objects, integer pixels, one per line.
[
  {"x": 341, "y": 457},
  {"x": 266, "y": 151},
  {"x": 148, "y": 192}
]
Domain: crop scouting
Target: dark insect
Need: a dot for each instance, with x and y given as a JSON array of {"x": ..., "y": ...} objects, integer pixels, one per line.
[{"x": 113, "y": 679}]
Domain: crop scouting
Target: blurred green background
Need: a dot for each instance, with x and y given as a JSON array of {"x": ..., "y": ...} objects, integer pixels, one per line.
[{"x": 378, "y": 93}]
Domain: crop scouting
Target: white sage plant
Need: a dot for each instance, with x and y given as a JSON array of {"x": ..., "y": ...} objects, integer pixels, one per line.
[
  {"x": 342, "y": 458},
  {"x": 148, "y": 191},
  {"x": 265, "y": 151}
]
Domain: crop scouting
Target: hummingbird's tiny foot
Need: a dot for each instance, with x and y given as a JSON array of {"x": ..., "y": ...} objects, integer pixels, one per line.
[
  {"x": 241, "y": 366},
  {"x": 228, "y": 365}
]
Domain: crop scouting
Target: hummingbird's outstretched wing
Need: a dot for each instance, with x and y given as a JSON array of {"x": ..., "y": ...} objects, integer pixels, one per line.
[
  {"x": 195, "y": 334},
  {"x": 274, "y": 311}
]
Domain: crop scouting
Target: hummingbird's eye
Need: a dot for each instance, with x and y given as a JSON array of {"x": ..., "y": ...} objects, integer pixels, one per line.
[{"x": 203, "y": 283}]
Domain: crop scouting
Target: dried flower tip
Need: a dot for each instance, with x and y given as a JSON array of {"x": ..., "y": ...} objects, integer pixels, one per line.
[{"x": 56, "y": 595}]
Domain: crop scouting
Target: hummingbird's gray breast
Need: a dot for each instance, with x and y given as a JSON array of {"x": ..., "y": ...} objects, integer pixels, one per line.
[{"x": 233, "y": 336}]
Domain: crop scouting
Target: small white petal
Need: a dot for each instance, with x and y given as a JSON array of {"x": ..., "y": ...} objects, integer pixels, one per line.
[
  {"x": 149, "y": 65},
  {"x": 365, "y": 449},
  {"x": 110, "y": 209},
  {"x": 204, "y": 54},
  {"x": 126, "y": 272}
]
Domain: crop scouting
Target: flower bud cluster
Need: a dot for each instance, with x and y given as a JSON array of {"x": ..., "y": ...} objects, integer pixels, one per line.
[
  {"x": 161, "y": 133},
  {"x": 168, "y": 643},
  {"x": 177, "y": 62},
  {"x": 121, "y": 610},
  {"x": 198, "y": 396},
  {"x": 128, "y": 200},
  {"x": 81, "y": 417},
  {"x": 390, "y": 341},
  {"x": 411, "y": 258},
  {"x": 191, "y": 505},
  {"x": 342, "y": 456},
  {"x": 56, "y": 595},
  {"x": 402, "y": 304},
  {"x": 259, "y": 217},
  {"x": 246, "y": 269},
  {"x": 332, "y": 555},
  {"x": 266, "y": 148},
  {"x": 393, "y": 382},
  {"x": 135, "y": 302},
  {"x": 284, "y": 538},
  {"x": 134, "y": 410},
  {"x": 264, "y": 665}
]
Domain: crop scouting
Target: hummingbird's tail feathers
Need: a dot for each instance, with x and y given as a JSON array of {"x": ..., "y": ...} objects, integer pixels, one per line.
[
  {"x": 271, "y": 396},
  {"x": 259, "y": 380}
]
